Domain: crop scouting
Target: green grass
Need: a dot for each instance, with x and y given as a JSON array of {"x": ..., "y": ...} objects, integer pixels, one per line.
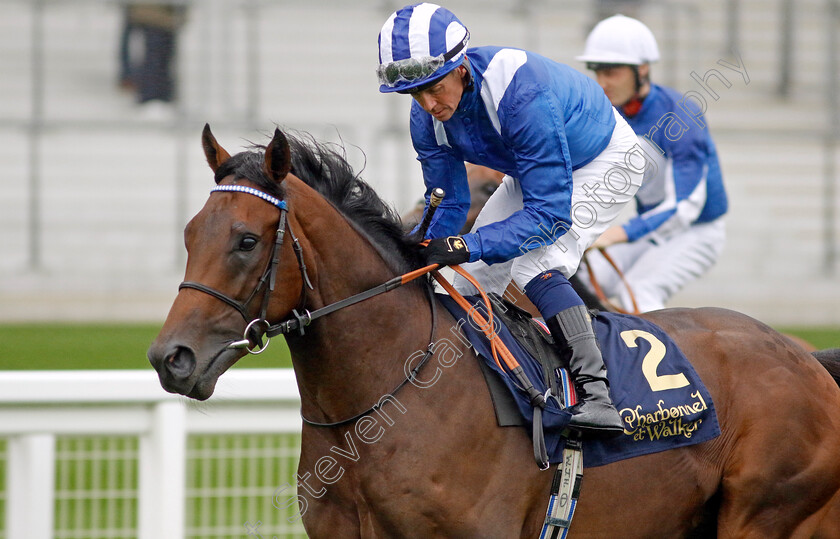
[
  {"x": 123, "y": 346},
  {"x": 41, "y": 346},
  {"x": 819, "y": 337}
]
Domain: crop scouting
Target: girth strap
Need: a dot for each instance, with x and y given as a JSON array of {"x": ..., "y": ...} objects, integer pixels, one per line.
[
  {"x": 565, "y": 491},
  {"x": 502, "y": 355}
]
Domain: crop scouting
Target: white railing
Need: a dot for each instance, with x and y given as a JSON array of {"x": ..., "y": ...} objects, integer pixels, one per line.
[{"x": 36, "y": 407}]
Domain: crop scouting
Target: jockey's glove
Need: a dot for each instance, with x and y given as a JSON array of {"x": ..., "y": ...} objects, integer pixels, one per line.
[{"x": 448, "y": 251}]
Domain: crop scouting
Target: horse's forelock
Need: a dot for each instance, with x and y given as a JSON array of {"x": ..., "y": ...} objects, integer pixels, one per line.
[
  {"x": 248, "y": 165},
  {"x": 324, "y": 168}
]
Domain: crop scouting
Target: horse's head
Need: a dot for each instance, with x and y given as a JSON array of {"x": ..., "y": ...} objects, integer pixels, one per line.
[{"x": 236, "y": 254}]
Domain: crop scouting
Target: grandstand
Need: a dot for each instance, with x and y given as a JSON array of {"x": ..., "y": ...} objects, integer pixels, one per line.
[{"x": 96, "y": 195}]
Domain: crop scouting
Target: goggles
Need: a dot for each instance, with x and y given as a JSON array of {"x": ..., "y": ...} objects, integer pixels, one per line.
[
  {"x": 409, "y": 70},
  {"x": 413, "y": 69},
  {"x": 597, "y": 66}
]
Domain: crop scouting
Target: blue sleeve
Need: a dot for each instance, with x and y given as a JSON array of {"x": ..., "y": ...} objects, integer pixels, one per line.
[
  {"x": 442, "y": 167},
  {"x": 687, "y": 194},
  {"x": 532, "y": 124}
]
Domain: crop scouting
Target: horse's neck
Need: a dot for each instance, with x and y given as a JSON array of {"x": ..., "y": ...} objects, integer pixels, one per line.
[{"x": 351, "y": 357}]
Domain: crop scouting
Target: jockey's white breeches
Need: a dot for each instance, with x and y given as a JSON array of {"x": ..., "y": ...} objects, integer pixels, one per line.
[
  {"x": 600, "y": 190},
  {"x": 656, "y": 271}
]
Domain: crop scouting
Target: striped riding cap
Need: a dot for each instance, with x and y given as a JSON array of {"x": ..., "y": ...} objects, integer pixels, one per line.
[{"x": 418, "y": 44}]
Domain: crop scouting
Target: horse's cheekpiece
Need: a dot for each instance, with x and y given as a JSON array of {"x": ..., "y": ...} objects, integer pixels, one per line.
[
  {"x": 789, "y": 451},
  {"x": 259, "y": 331},
  {"x": 661, "y": 399}
]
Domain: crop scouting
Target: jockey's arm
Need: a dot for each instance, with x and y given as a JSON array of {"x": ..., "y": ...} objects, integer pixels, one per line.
[
  {"x": 685, "y": 197},
  {"x": 544, "y": 170}
]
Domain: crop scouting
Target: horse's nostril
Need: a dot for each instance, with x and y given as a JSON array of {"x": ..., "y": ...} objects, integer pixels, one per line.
[{"x": 181, "y": 362}]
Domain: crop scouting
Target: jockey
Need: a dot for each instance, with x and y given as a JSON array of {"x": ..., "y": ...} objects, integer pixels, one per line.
[
  {"x": 679, "y": 231},
  {"x": 571, "y": 164}
]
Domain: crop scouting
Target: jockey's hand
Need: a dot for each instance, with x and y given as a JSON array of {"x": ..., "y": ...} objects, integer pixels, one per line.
[
  {"x": 611, "y": 236},
  {"x": 448, "y": 251}
]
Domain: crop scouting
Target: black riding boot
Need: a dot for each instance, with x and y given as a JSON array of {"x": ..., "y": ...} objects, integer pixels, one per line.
[{"x": 595, "y": 414}]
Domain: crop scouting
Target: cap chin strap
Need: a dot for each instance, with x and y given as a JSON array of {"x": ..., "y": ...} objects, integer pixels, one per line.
[
  {"x": 469, "y": 81},
  {"x": 634, "y": 104}
]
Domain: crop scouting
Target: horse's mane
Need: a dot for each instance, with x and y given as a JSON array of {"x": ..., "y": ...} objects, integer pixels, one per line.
[{"x": 324, "y": 167}]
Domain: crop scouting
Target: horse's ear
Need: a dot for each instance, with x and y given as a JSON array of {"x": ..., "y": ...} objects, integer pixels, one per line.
[
  {"x": 278, "y": 157},
  {"x": 215, "y": 154}
]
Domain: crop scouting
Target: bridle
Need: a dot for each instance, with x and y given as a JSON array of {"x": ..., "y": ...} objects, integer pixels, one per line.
[{"x": 259, "y": 327}]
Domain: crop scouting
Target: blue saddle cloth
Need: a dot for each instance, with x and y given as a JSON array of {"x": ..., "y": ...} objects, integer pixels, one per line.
[{"x": 661, "y": 399}]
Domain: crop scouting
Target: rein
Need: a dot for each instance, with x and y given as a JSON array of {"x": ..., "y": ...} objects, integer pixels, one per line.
[
  {"x": 260, "y": 327},
  {"x": 600, "y": 292},
  {"x": 299, "y": 321}
]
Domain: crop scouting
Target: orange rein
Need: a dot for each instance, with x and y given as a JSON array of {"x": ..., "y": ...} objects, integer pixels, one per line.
[
  {"x": 496, "y": 344},
  {"x": 600, "y": 292},
  {"x": 498, "y": 348}
]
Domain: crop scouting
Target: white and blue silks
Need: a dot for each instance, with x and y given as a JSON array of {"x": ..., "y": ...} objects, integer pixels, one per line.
[
  {"x": 686, "y": 185},
  {"x": 566, "y": 152},
  {"x": 679, "y": 232}
]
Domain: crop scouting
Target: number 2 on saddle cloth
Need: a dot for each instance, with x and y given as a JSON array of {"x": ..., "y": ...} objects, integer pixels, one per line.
[{"x": 662, "y": 401}]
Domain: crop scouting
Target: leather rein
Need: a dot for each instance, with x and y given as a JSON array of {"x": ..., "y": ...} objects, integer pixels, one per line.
[
  {"x": 599, "y": 292},
  {"x": 260, "y": 327}
]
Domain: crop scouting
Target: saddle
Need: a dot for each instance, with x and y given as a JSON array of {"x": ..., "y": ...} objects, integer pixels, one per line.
[
  {"x": 660, "y": 397},
  {"x": 536, "y": 339}
]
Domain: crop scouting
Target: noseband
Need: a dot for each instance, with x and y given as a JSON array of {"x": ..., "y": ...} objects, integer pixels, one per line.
[{"x": 259, "y": 327}]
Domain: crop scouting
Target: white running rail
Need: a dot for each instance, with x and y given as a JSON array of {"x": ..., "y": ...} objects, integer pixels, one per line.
[{"x": 37, "y": 406}]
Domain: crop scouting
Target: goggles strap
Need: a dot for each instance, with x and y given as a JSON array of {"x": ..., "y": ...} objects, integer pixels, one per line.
[
  {"x": 457, "y": 48},
  {"x": 391, "y": 81}
]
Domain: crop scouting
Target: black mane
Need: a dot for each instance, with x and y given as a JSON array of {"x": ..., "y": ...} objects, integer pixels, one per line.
[{"x": 324, "y": 167}]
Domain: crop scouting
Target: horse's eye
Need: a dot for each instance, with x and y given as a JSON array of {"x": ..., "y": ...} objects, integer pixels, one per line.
[{"x": 248, "y": 243}]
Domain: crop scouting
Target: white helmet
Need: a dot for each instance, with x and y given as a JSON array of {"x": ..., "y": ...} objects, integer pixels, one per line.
[{"x": 620, "y": 40}]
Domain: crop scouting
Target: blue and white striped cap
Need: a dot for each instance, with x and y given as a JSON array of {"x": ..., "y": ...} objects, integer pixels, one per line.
[{"x": 418, "y": 44}]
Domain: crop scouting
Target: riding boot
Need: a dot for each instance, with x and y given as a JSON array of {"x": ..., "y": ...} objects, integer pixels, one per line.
[
  {"x": 568, "y": 321},
  {"x": 595, "y": 414}
]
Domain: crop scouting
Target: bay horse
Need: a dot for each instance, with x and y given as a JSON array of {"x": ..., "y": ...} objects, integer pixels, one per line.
[{"x": 381, "y": 457}]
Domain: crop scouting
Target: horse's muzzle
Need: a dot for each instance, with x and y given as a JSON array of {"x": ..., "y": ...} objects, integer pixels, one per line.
[{"x": 175, "y": 367}]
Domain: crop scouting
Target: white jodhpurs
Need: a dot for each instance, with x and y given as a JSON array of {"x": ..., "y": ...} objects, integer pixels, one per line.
[
  {"x": 600, "y": 190},
  {"x": 656, "y": 271}
]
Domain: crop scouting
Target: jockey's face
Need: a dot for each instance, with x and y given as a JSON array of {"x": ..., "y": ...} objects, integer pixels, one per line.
[
  {"x": 618, "y": 82},
  {"x": 442, "y": 99}
]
